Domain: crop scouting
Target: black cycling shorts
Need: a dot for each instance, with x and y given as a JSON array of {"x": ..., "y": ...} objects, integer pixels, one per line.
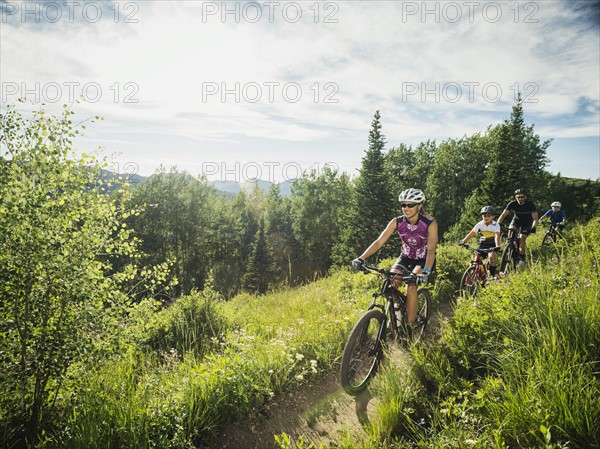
[{"x": 407, "y": 265}]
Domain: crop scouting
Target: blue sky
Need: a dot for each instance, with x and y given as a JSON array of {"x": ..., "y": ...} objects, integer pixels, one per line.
[{"x": 236, "y": 90}]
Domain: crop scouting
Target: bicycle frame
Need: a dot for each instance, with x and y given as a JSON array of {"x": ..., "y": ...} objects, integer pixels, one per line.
[
  {"x": 553, "y": 230},
  {"x": 392, "y": 296},
  {"x": 477, "y": 272},
  {"x": 365, "y": 346},
  {"x": 511, "y": 249}
]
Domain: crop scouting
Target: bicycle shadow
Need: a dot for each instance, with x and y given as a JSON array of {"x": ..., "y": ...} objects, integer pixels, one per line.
[{"x": 361, "y": 402}]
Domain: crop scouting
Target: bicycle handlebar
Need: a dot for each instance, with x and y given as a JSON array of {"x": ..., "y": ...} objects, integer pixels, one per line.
[
  {"x": 388, "y": 274},
  {"x": 486, "y": 250}
]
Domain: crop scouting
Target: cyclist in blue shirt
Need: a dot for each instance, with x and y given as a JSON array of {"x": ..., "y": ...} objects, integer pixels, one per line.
[{"x": 556, "y": 215}]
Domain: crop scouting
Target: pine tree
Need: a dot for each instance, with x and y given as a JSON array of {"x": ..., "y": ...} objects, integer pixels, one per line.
[
  {"x": 280, "y": 235},
  {"x": 518, "y": 160},
  {"x": 372, "y": 204},
  {"x": 319, "y": 204},
  {"x": 259, "y": 268}
]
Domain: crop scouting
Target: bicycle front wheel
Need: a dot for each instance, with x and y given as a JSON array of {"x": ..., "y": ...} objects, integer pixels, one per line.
[
  {"x": 363, "y": 352},
  {"x": 508, "y": 259},
  {"x": 470, "y": 281},
  {"x": 549, "y": 238}
]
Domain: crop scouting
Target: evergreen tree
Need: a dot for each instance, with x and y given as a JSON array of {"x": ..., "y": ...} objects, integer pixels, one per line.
[
  {"x": 372, "y": 203},
  {"x": 256, "y": 279},
  {"x": 318, "y": 206},
  {"x": 280, "y": 235},
  {"x": 517, "y": 160},
  {"x": 457, "y": 171}
]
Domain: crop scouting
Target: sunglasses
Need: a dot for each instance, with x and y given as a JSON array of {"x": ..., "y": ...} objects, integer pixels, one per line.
[
  {"x": 410, "y": 206},
  {"x": 486, "y": 215},
  {"x": 520, "y": 197}
]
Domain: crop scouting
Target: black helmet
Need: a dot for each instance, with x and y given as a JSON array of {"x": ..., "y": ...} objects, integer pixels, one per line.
[
  {"x": 520, "y": 192},
  {"x": 488, "y": 210}
]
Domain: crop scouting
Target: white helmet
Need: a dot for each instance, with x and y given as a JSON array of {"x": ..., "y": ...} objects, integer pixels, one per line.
[
  {"x": 555, "y": 204},
  {"x": 414, "y": 195}
]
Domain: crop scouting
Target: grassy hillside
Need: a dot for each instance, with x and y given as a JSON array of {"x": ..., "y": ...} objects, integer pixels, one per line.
[{"x": 517, "y": 365}]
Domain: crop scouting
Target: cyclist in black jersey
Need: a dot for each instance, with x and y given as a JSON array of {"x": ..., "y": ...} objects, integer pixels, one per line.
[{"x": 525, "y": 218}]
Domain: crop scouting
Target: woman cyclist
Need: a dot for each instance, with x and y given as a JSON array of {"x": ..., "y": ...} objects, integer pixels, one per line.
[{"x": 419, "y": 235}]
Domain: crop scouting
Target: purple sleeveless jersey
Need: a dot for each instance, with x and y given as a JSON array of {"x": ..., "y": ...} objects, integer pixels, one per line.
[{"x": 414, "y": 236}]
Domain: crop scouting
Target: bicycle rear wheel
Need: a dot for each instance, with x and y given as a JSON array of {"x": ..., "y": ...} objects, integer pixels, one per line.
[
  {"x": 415, "y": 332},
  {"x": 363, "y": 352},
  {"x": 470, "y": 281}
]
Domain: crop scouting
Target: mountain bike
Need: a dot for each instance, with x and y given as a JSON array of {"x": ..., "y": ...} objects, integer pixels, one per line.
[
  {"x": 477, "y": 274},
  {"x": 552, "y": 234},
  {"x": 510, "y": 256},
  {"x": 386, "y": 318}
]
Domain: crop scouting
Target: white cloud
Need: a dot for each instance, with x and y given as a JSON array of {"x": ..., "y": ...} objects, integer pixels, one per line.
[{"x": 201, "y": 78}]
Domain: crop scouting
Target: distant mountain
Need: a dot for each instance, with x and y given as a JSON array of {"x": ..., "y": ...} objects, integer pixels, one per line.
[
  {"x": 117, "y": 180},
  {"x": 250, "y": 184},
  {"x": 285, "y": 187},
  {"x": 230, "y": 187},
  {"x": 233, "y": 187}
]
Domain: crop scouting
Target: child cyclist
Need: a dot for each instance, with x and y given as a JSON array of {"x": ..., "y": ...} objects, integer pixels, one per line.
[
  {"x": 556, "y": 215},
  {"x": 489, "y": 232}
]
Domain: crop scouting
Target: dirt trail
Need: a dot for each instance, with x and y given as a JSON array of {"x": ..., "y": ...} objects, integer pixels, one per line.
[{"x": 320, "y": 411}]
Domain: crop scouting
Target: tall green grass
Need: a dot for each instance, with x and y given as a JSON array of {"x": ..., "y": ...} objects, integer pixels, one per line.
[
  {"x": 517, "y": 366},
  {"x": 203, "y": 362}
]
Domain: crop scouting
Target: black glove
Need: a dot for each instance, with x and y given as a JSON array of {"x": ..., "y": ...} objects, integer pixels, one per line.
[
  {"x": 532, "y": 230},
  {"x": 423, "y": 278},
  {"x": 358, "y": 263}
]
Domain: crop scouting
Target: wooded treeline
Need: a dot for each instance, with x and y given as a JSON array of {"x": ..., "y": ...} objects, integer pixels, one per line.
[
  {"x": 255, "y": 241},
  {"x": 79, "y": 258}
]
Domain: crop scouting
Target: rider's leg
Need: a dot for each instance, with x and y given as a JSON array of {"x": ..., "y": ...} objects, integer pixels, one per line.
[
  {"x": 522, "y": 246},
  {"x": 411, "y": 303},
  {"x": 396, "y": 282},
  {"x": 493, "y": 258}
]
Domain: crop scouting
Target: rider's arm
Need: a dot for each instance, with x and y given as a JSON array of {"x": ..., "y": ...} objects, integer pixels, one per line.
[
  {"x": 497, "y": 238},
  {"x": 383, "y": 237},
  {"x": 536, "y": 218},
  {"x": 468, "y": 237},
  {"x": 503, "y": 215},
  {"x": 432, "y": 241}
]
